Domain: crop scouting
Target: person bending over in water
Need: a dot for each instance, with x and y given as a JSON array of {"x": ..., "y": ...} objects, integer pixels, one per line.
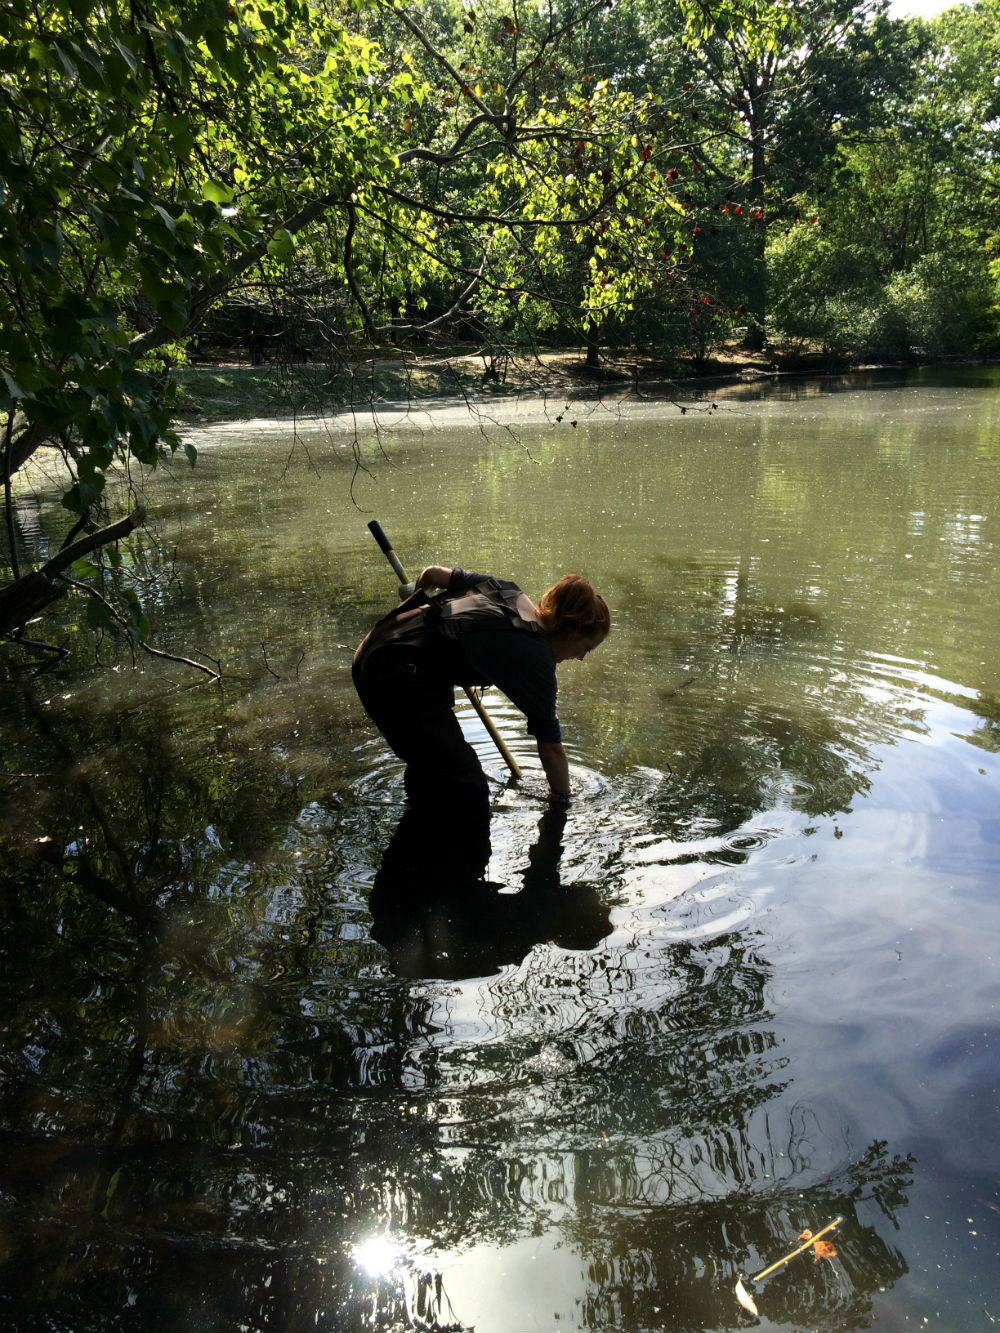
[{"x": 478, "y": 631}]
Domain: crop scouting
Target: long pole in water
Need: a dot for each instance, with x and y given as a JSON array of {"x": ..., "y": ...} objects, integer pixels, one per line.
[{"x": 385, "y": 546}]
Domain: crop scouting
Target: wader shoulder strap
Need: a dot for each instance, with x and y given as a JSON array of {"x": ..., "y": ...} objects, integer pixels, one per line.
[{"x": 488, "y": 605}]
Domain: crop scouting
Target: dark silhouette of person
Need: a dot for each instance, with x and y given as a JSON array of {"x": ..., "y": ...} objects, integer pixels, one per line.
[
  {"x": 438, "y": 915},
  {"x": 478, "y": 630}
]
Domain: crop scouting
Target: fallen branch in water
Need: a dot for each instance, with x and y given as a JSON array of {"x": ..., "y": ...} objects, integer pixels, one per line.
[
  {"x": 810, "y": 1240},
  {"x": 31, "y": 593}
]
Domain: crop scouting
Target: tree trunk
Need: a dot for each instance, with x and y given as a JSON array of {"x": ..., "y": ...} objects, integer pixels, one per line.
[{"x": 757, "y": 287}]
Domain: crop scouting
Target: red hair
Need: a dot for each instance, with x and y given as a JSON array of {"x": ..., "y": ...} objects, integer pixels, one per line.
[{"x": 572, "y": 607}]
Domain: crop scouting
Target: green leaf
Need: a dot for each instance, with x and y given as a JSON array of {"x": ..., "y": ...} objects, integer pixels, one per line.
[
  {"x": 79, "y": 498},
  {"x": 108, "y": 226},
  {"x": 216, "y": 192},
  {"x": 175, "y": 315},
  {"x": 282, "y": 246},
  {"x": 138, "y": 624},
  {"x": 168, "y": 219},
  {"x": 65, "y": 335},
  {"x": 110, "y": 1192},
  {"x": 100, "y": 617},
  {"x": 69, "y": 66},
  {"x": 41, "y": 54},
  {"x": 143, "y": 438},
  {"x": 14, "y": 390},
  {"x": 127, "y": 55}
]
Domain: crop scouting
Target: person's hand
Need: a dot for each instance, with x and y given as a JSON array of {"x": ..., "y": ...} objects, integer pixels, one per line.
[{"x": 406, "y": 590}]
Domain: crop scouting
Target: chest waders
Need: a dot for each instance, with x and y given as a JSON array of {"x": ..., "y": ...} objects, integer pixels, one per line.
[
  {"x": 385, "y": 546},
  {"x": 487, "y": 605},
  {"x": 420, "y": 625}
]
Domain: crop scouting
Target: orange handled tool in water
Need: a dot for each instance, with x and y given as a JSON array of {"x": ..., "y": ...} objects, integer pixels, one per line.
[{"x": 385, "y": 546}]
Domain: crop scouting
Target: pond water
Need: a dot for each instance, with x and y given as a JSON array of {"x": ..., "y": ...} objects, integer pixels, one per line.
[{"x": 273, "y": 1059}]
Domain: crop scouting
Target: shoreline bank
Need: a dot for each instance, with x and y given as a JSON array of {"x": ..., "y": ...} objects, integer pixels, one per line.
[{"x": 237, "y": 391}]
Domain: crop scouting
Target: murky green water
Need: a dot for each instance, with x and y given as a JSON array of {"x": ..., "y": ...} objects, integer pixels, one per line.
[{"x": 258, "y": 1075}]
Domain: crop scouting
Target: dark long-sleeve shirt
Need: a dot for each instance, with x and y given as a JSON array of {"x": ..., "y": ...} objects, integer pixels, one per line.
[{"x": 519, "y": 663}]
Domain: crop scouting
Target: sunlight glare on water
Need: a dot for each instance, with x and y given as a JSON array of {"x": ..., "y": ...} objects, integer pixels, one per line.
[{"x": 377, "y": 1256}]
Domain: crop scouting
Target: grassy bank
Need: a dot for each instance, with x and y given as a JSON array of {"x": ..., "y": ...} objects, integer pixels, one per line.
[
  {"x": 208, "y": 393},
  {"x": 225, "y": 391},
  {"x": 233, "y": 391}
]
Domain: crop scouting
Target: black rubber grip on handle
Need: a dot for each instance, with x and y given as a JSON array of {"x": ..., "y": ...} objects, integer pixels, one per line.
[{"x": 375, "y": 528}]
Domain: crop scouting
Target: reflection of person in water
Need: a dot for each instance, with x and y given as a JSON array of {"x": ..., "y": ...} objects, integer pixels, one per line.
[
  {"x": 437, "y": 914},
  {"x": 479, "y": 631}
]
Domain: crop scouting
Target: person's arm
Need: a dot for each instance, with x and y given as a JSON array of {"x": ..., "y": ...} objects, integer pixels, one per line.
[
  {"x": 556, "y": 766},
  {"x": 434, "y": 576}
]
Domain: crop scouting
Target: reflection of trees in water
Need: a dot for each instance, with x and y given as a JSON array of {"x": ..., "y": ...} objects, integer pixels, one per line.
[
  {"x": 133, "y": 998},
  {"x": 676, "y": 1268},
  {"x": 645, "y": 1038},
  {"x": 610, "y": 1111},
  {"x": 646, "y": 1264},
  {"x": 756, "y": 703},
  {"x": 758, "y": 758},
  {"x": 987, "y": 736},
  {"x": 210, "y": 1059},
  {"x": 687, "y": 1259}
]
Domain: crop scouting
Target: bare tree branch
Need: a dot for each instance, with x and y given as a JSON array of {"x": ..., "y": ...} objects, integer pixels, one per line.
[{"x": 215, "y": 675}]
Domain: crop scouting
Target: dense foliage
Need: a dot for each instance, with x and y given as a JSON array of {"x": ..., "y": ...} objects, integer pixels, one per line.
[
  {"x": 304, "y": 179},
  {"x": 150, "y": 154},
  {"x": 902, "y": 257}
]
